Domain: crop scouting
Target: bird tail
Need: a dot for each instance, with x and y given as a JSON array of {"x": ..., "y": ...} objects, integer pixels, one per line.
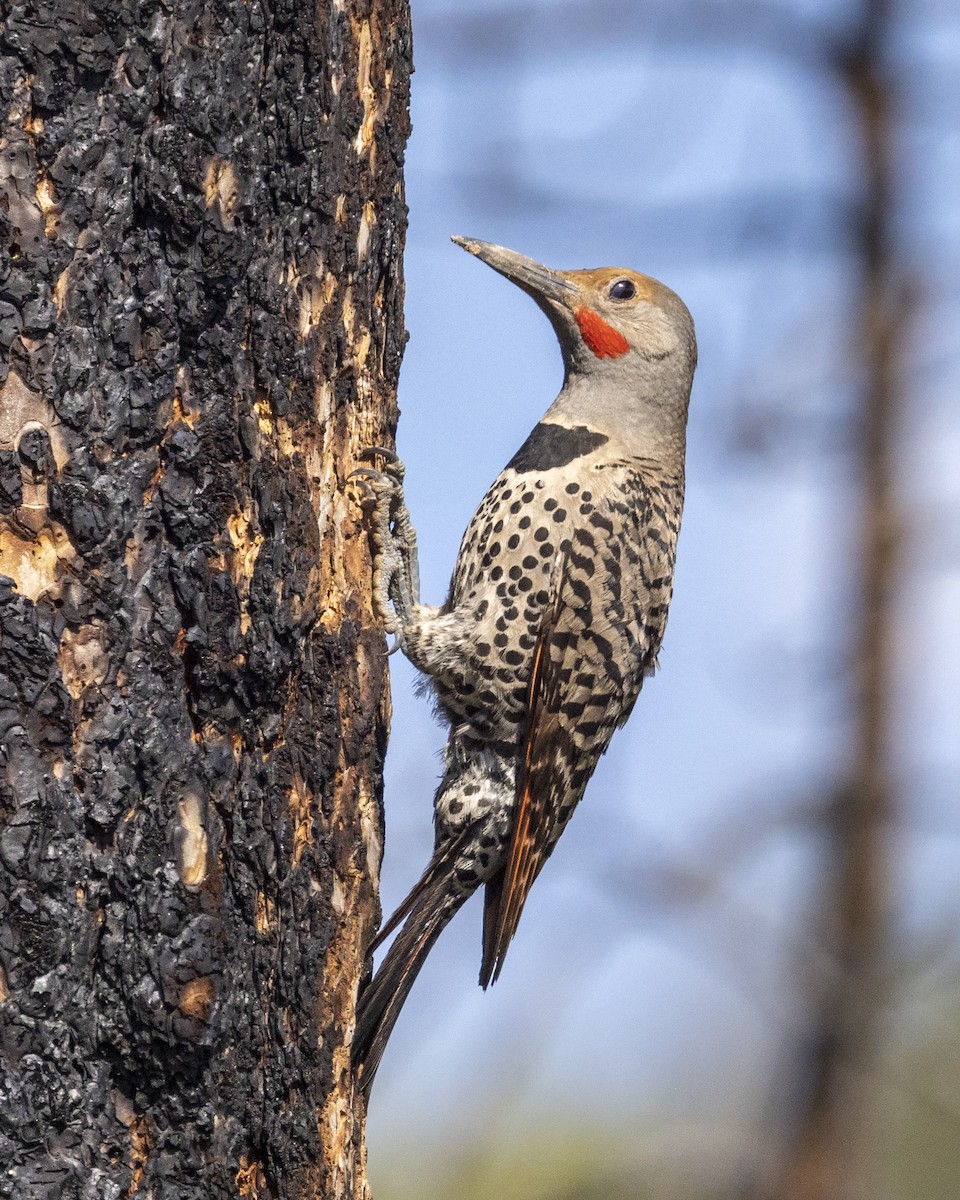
[{"x": 428, "y": 909}]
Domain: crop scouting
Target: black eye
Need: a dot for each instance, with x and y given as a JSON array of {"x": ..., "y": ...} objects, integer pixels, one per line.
[{"x": 622, "y": 289}]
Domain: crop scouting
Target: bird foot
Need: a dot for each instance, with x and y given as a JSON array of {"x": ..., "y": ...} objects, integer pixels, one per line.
[{"x": 396, "y": 575}]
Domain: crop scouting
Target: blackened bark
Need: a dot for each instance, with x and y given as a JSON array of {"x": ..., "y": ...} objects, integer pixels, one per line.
[{"x": 200, "y": 316}]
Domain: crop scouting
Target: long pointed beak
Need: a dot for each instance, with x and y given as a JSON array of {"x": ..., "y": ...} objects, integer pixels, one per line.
[{"x": 539, "y": 281}]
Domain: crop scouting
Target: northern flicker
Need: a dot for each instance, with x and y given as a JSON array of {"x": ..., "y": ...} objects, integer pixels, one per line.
[{"x": 556, "y": 609}]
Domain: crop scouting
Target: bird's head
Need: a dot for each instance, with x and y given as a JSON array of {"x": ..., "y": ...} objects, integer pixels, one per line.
[{"x": 627, "y": 340}]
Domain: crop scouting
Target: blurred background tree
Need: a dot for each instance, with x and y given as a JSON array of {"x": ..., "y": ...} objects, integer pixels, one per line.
[{"x": 738, "y": 975}]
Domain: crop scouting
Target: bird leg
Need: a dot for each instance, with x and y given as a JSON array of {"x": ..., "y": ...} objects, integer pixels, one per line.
[{"x": 396, "y": 570}]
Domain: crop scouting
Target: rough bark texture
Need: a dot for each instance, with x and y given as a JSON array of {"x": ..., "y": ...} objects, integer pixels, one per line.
[{"x": 202, "y": 217}]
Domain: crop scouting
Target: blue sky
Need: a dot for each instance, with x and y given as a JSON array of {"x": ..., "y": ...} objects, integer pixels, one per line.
[{"x": 655, "y": 966}]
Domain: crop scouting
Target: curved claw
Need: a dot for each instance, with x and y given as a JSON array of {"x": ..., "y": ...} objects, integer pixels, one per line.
[
  {"x": 393, "y": 467},
  {"x": 372, "y": 452},
  {"x": 366, "y": 472},
  {"x": 397, "y": 644}
]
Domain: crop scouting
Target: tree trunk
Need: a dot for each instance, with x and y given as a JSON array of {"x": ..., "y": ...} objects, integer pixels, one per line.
[
  {"x": 201, "y": 323},
  {"x": 827, "y": 1157}
]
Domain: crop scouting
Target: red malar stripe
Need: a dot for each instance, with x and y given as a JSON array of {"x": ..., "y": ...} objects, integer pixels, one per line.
[{"x": 603, "y": 339}]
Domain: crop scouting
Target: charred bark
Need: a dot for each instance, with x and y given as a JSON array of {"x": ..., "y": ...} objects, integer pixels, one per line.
[{"x": 201, "y": 322}]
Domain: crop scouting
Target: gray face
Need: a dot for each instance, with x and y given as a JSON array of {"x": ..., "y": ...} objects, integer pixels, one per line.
[
  {"x": 599, "y": 309},
  {"x": 628, "y": 346},
  {"x": 618, "y": 313}
]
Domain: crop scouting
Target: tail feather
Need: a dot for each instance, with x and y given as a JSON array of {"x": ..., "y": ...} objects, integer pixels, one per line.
[
  {"x": 491, "y": 911},
  {"x": 428, "y": 909}
]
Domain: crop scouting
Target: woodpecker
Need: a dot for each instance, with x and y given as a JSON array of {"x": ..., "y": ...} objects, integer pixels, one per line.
[{"x": 556, "y": 609}]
